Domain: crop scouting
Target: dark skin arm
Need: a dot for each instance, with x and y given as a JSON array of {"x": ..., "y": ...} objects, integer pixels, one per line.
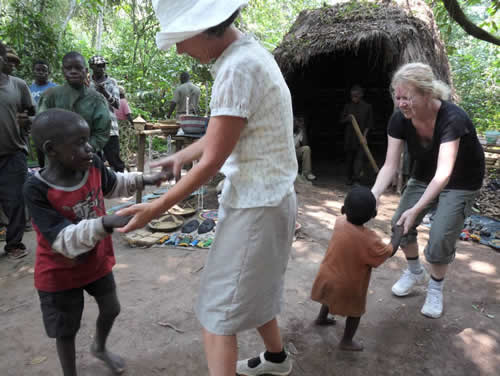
[
  {"x": 115, "y": 221},
  {"x": 130, "y": 120},
  {"x": 397, "y": 234},
  {"x": 100, "y": 88},
  {"x": 171, "y": 109}
]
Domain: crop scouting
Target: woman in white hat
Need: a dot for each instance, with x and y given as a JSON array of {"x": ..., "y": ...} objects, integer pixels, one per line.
[{"x": 250, "y": 135}]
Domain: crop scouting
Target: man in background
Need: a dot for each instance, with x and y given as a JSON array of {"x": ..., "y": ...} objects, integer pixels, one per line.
[
  {"x": 363, "y": 113},
  {"x": 185, "y": 90}
]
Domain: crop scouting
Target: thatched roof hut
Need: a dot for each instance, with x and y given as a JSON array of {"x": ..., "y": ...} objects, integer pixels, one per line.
[{"x": 332, "y": 48}]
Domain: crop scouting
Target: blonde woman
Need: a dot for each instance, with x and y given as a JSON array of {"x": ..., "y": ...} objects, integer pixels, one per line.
[{"x": 448, "y": 174}]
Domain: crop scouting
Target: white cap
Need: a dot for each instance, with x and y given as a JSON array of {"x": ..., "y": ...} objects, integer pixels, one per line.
[{"x": 183, "y": 19}]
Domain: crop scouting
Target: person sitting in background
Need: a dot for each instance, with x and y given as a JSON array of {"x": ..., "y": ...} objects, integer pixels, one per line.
[
  {"x": 302, "y": 150},
  {"x": 184, "y": 90}
]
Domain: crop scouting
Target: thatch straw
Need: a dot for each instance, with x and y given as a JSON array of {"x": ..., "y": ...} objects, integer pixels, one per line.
[{"x": 395, "y": 32}]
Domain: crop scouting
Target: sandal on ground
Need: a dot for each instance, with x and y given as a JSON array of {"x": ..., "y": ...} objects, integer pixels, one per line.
[
  {"x": 167, "y": 222},
  {"x": 182, "y": 209},
  {"x": 206, "y": 226},
  {"x": 16, "y": 253},
  {"x": 191, "y": 226}
]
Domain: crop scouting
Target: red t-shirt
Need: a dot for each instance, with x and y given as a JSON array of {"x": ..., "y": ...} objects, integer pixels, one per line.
[{"x": 52, "y": 209}]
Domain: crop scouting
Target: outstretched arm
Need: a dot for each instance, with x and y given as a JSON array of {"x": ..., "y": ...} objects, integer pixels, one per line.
[
  {"x": 446, "y": 161},
  {"x": 386, "y": 173},
  {"x": 213, "y": 149}
]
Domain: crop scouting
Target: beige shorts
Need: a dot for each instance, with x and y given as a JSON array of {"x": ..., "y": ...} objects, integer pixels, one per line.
[{"x": 242, "y": 282}]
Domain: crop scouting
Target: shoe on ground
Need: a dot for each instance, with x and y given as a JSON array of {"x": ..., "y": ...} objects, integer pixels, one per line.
[
  {"x": 264, "y": 368},
  {"x": 310, "y": 176},
  {"x": 433, "y": 306},
  {"x": 407, "y": 281},
  {"x": 16, "y": 253}
]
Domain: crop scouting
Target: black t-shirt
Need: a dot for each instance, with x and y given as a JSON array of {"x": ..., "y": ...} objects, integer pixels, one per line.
[{"x": 451, "y": 123}]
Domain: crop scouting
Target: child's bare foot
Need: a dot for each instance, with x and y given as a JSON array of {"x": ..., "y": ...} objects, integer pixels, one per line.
[
  {"x": 350, "y": 346},
  {"x": 115, "y": 363},
  {"x": 325, "y": 321}
]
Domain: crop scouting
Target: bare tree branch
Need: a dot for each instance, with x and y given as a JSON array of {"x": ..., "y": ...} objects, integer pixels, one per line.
[{"x": 468, "y": 26}]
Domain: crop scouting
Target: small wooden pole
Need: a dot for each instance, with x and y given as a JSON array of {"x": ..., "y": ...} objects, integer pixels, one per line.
[
  {"x": 364, "y": 144},
  {"x": 140, "y": 161}
]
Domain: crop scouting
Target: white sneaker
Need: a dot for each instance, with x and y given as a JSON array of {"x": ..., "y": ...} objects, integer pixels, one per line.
[
  {"x": 265, "y": 367},
  {"x": 406, "y": 282},
  {"x": 310, "y": 176},
  {"x": 433, "y": 306}
]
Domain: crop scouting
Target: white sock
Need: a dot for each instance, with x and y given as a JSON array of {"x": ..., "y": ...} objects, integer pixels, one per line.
[
  {"x": 436, "y": 285},
  {"x": 414, "y": 266}
]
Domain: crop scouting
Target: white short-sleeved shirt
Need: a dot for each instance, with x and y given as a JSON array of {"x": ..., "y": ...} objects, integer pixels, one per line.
[{"x": 248, "y": 83}]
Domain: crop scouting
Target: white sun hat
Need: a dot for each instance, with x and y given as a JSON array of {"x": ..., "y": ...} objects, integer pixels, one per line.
[{"x": 183, "y": 19}]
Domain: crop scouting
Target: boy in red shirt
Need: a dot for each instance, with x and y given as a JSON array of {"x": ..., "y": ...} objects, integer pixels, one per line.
[
  {"x": 342, "y": 281},
  {"x": 75, "y": 251}
]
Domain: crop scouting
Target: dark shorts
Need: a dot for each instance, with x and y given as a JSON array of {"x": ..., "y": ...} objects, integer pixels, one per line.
[{"x": 62, "y": 310}]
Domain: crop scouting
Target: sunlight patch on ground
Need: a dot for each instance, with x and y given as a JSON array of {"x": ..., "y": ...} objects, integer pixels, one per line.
[
  {"x": 462, "y": 256},
  {"x": 121, "y": 266},
  {"x": 480, "y": 348},
  {"x": 165, "y": 278},
  {"x": 483, "y": 267}
]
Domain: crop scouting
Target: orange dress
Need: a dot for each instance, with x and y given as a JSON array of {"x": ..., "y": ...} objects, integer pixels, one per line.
[{"x": 344, "y": 275}]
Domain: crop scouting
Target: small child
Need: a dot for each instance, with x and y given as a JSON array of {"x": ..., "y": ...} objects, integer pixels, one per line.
[
  {"x": 75, "y": 250},
  {"x": 342, "y": 281}
]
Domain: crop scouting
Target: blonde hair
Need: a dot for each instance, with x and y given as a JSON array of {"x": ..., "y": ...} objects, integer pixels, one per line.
[{"x": 420, "y": 75}]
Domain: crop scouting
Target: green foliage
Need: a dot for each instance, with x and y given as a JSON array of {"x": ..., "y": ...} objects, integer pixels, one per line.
[
  {"x": 50, "y": 28},
  {"x": 475, "y": 64}
]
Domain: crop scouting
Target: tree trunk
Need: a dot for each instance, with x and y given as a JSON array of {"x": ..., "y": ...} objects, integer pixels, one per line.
[
  {"x": 71, "y": 12},
  {"x": 470, "y": 28},
  {"x": 98, "y": 43}
]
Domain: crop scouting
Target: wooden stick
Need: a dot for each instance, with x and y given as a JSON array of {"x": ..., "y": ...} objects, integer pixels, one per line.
[
  {"x": 362, "y": 141},
  {"x": 140, "y": 162}
]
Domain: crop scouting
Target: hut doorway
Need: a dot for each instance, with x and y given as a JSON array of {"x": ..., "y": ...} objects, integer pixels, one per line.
[
  {"x": 332, "y": 48},
  {"x": 322, "y": 88}
]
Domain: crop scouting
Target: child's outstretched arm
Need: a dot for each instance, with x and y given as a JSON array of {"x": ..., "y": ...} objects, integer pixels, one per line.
[
  {"x": 123, "y": 184},
  {"x": 397, "y": 235}
]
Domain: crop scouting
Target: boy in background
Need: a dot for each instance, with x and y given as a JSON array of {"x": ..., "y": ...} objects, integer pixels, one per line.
[
  {"x": 75, "y": 250},
  {"x": 41, "y": 71},
  {"x": 342, "y": 282},
  {"x": 75, "y": 96}
]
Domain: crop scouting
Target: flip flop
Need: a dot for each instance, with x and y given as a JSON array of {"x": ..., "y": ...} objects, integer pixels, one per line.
[
  {"x": 167, "y": 222},
  {"x": 185, "y": 241},
  {"x": 206, "y": 226},
  {"x": 205, "y": 244},
  {"x": 172, "y": 239},
  {"x": 182, "y": 209},
  {"x": 191, "y": 226}
]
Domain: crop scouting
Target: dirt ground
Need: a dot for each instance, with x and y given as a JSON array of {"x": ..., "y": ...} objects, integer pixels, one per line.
[{"x": 159, "y": 285}]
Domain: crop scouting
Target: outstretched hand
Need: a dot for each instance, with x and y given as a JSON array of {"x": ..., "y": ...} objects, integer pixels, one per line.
[
  {"x": 170, "y": 165},
  {"x": 407, "y": 220},
  {"x": 158, "y": 178},
  {"x": 141, "y": 214},
  {"x": 114, "y": 221}
]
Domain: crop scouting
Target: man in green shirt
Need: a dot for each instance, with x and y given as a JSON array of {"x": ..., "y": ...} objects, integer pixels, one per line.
[{"x": 75, "y": 96}]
